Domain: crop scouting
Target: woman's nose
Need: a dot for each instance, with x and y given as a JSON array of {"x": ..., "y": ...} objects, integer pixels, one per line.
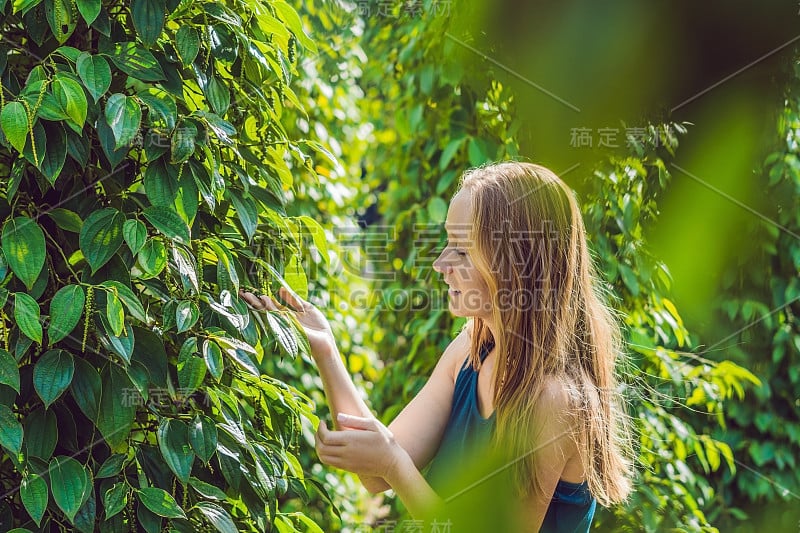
[{"x": 440, "y": 264}]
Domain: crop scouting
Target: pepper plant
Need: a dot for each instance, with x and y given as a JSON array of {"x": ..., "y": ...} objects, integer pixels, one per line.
[{"x": 145, "y": 176}]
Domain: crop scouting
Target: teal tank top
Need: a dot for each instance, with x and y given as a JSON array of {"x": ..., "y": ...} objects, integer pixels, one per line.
[{"x": 572, "y": 507}]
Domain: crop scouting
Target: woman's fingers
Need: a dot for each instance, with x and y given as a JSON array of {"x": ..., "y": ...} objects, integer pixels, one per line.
[
  {"x": 297, "y": 303},
  {"x": 259, "y": 303}
]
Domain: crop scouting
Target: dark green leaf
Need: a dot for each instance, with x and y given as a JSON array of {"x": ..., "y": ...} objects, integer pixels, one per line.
[
  {"x": 169, "y": 223},
  {"x": 187, "y": 43},
  {"x": 95, "y": 74},
  {"x": 66, "y": 308},
  {"x": 112, "y": 466},
  {"x": 9, "y": 372},
  {"x": 89, "y": 9},
  {"x": 246, "y": 211},
  {"x": 52, "y": 375},
  {"x": 124, "y": 115},
  {"x": 86, "y": 388},
  {"x": 24, "y": 249},
  {"x": 148, "y": 19},
  {"x": 191, "y": 372},
  {"x": 183, "y": 142},
  {"x": 66, "y": 219},
  {"x": 101, "y": 236},
  {"x": 26, "y": 313},
  {"x": 135, "y": 234},
  {"x": 41, "y": 433},
  {"x": 161, "y": 106},
  {"x": 207, "y": 490},
  {"x": 160, "y": 502},
  {"x": 116, "y": 413},
  {"x": 213, "y": 357},
  {"x": 218, "y": 96},
  {"x": 10, "y": 430},
  {"x": 34, "y": 496},
  {"x": 238, "y": 351},
  {"x": 218, "y": 517},
  {"x": 173, "y": 441},
  {"x": 115, "y": 498},
  {"x": 108, "y": 143},
  {"x": 203, "y": 437},
  {"x": 68, "y": 482},
  {"x": 136, "y": 62},
  {"x": 186, "y": 315}
]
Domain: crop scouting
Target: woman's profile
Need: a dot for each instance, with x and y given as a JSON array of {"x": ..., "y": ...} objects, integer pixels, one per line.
[{"x": 531, "y": 377}]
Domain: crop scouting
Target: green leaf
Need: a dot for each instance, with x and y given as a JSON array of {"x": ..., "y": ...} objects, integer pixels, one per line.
[
  {"x": 148, "y": 19},
  {"x": 115, "y": 313},
  {"x": 52, "y": 161},
  {"x": 238, "y": 350},
  {"x": 69, "y": 94},
  {"x": 112, "y": 466},
  {"x": 86, "y": 388},
  {"x": 68, "y": 481},
  {"x": 14, "y": 121},
  {"x": 213, "y": 357},
  {"x": 23, "y": 6},
  {"x": 115, "y": 498},
  {"x": 206, "y": 490},
  {"x": 137, "y": 62},
  {"x": 41, "y": 433},
  {"x": 218, "y": 96},
  {"x": 10, "y": 430},
  {"x": 203, "y": 437},
  {"x": 34, "y": 496},
  {"x": 169, "y": 223},
  {"x": 66, "y": 308},
  {"x": 183, "y": 142},
  {"x": 161, "y": 107},
  {"x": 437, "y": 210},
  {"x": 187, "y": 43},
  {"x": 173, "y": 441},
  {"x": 101, "y": 236},
  {"x": 283, "y": 333},
  {"x": 24, "y": 248},
  {"x": 152, "y": 257},
  {"x": 246, "y": 211},
  {"x": 26, "y": 313},
  {"x": 128, "y": 297},
  {"x": 108, "y": 143},
  {"x": 218, "y": 517},
  {"x": 66, "y": 219},
  {"x": 191, "y": 372},
  {"x": 116, "y": 413},
  {"x": 186, "y": 315},
  {"x": 124, "y": 115},
  {"x": 95, "y": 74},
  {"x": 9, "y": 372},
  {"x": 135, "y": 233},
  {"x": 160, "y": 502},
  {"x": 89, "y": 9},
  {"x": 60, "y": 18},
  {"x": 52, "y": 374}
]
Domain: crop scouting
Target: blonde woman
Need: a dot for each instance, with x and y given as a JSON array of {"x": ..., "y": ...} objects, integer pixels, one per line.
[{"x": 532, "y": 375}]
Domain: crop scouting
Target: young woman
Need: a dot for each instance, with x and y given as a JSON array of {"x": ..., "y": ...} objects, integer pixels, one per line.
[{"x": 531, "y": 375}]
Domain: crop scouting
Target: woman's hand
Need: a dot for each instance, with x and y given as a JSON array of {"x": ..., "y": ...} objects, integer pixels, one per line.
[
  {"x": 316, "y": 326},
  {"x": 366, "y": 447}
]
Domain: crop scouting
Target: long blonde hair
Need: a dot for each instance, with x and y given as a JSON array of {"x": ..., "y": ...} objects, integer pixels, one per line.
[{"x": 531, "y": 249}]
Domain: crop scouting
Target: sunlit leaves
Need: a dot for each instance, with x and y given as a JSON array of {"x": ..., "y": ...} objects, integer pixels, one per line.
[
  {"x": 24, "y": 248},
  {"x": 101, "y": 236},
  {"x": 95, "y": 74}
]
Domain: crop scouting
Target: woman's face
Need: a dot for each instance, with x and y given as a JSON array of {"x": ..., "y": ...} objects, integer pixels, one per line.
[{"x": 468, "y": 294}]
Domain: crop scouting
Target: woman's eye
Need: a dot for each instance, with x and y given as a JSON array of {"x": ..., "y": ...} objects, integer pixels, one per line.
[{"x": 461, "y": 253}]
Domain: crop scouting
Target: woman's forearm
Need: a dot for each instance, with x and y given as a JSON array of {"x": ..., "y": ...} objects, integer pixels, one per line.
[
  {"x": 343, "y": 397},
  {"x": 413, "y": 489}
]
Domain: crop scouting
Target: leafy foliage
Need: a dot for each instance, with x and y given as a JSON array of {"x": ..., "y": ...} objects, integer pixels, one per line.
[{"x": 146, "y": 170}]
